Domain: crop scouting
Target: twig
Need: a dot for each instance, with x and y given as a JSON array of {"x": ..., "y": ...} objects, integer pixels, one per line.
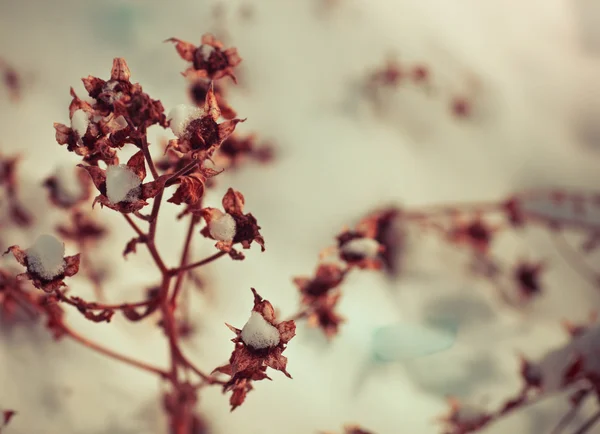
[
  {"x": 589, "y": 424},
  {"x": 110, "y": 353},
  {"x": 197, "y": 264}
]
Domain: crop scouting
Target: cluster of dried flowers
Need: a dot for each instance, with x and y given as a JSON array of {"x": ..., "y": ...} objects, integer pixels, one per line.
[{"x": 115, "y": 114}]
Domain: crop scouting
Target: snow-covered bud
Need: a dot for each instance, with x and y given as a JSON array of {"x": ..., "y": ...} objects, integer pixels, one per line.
[
  {"x": 46, "y": 257},
  {"x": 258, "y": 333},
  {"x": 80, "y": 122},
  {"x": 122, "y": 184},
  {"x": 222, "y": 227},
  {"x": 180, "y": 117},
  {"x": 366, "y": 248}
]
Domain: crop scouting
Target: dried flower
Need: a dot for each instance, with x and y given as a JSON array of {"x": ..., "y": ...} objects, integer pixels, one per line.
[
  {"x": 258, "y": 345},
  {"x": 197, "y": 130},
  {"x": 209, "y": 60},
  {"x": 232, "y": 226},
  {"x": 121, "y": 186},
  {"x": 327, "y": 277},
  {"x": 45, "y": 262}
]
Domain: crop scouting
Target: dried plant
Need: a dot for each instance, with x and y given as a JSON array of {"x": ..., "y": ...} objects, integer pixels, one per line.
[{"x": 118, "y": 115}]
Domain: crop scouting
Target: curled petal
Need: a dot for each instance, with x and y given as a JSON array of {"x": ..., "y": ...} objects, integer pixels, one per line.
[
  {"x": 98, "y": 176},
  {"x": 228, "y": 127},
  {"x": 72, "y": 265},
  {"x": 287, "y": 330},
  {"x": 210, "y": 105},
  {"x": 277, "y": 361},
  {"x": 19, "y": 254},
  {"x": 185, "y": 49},
  {"x": 137, "y": 165},
  {"x": 264, "y": 307},
  {"x": 233, "y": 202},
  {"x": 120, "y": 70},
  {"x": 151, "y": 189}
]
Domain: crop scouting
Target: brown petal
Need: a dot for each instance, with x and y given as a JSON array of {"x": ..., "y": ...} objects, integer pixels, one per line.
[
  {"x": 264, "y": 307},
  {"x": 233, "y": 329},
  {"x": 190, "y": 191},
  {"x": 93, "y": 85},
  {"x": 210, "y": 105},
  {"x": 137, "y": 165},
  {"x": 209, "y": 39},
  {"x": 228, "y": 127},
  {"x": 47, "y": 286},
  {"x": 277, "y": 361},
  {"x": 151, "y": 189},
  {"x": 242, "y": 359},
  {"x": 185, "y": 49},
  {"x": 19, "y": 254},
  {"x": 72, "y": 265},
  {"x": 98, "y": 176},
  {"x": 233, "y": 202},
  {"x": 120, "y": 70},
  {"x": 239, "y": 394},
  {"x": 233, "y": 57},
  {"x": 225, "y": 369},
  {"x": 63, "y": 133},
  {"x": 287, "y": 330}
]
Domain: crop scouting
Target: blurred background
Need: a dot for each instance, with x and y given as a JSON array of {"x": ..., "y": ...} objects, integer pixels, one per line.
[{"x": 509, "y": 101}]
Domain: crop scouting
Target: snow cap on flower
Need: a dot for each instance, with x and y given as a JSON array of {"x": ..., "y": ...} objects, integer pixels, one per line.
[
  {"x": 80, "y": 122},
  {"x": 222, "y": 227},
  {"x": 46, "y": 257},
  {"x": 121, "y": 184},
  {"x": 258, "y": 333},
  {"x": 46, "y": 264},
  {"x": 362, "y": 247},
  {"x": 180, "y": 117},
  {"x": 121, "y": 187}
]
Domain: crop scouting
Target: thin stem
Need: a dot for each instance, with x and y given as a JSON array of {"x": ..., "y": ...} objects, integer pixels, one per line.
[
  {"x": 183, "y": 171},
  {"x": 184, "y": 258},
  {"x": 573, "y": 258},
  {"x": 112, "y": 354},
  {"x": 197, "y": 264},
  {"x": 134, "y": 225},
  {"x": 566, "y": 419},
  {"x": 102, "y": 306},
  {"x": 148, "y": 156},
  {"x": 589, "y": 424}
]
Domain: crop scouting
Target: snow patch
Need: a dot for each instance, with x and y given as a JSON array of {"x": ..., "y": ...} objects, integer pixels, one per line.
[
  {"x": 122, "y": 185},
  {"x": 180, "y": 117},
  {"x": 258, "y": 333},
  {"x": 222, "y": 228},
  {"x": 46, "y": 257},
  {"x": 365, "y": 247},
  {"x": 80, "y": 122}
]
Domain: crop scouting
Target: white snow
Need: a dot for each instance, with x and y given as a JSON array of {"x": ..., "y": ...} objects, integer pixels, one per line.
[
  {"x": 180, "y": 117},
  {"x": 121, "y": 184},
  {"x": 46, "y": 257},
  {"x": 80, "y": 122},
  {"x": 68, "y": 185},
  {"x": 258, "y": 333},
  {"x": 366, "y": 247},
  {"x": 222, "y": 228}
]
